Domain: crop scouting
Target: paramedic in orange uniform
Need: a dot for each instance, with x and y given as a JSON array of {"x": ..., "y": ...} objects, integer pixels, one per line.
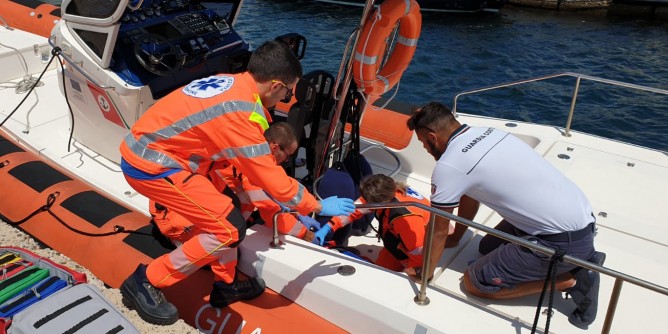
[
  {"x": 402, "y": 229},
  {"x": 169, "y": 152},
  {"x": 283, "y": 144}
]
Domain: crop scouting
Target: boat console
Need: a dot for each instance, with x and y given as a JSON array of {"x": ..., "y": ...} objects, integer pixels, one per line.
[
  {"x": 171, "y": 42},
  {"x": 125, "y": 54},
  {"x": 160, "y": 43}
]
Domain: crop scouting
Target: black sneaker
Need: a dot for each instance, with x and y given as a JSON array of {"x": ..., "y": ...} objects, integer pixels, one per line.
[
  {"x": 224, "y": 294},
  {"x": 585, "y": 293},
  {"x": 149, "y": 302}
]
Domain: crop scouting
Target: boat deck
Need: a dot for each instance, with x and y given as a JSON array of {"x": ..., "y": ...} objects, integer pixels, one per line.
[{"x": 626, "y": 185}]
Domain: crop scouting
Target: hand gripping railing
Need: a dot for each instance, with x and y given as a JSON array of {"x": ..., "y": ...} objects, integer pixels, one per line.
[
  {"x": 421, "y": 298},
  {"x": 578, "y": 77}
]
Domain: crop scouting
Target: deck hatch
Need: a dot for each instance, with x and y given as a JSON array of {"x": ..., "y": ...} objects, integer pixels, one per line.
[
  {"x": 93, "y": 207},
  {"x": 7, "y": 147},
  {"x": 38, "y": 175}
]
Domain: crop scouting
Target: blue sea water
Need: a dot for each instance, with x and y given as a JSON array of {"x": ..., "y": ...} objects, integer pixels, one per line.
[{"x": 459, "y": 53}]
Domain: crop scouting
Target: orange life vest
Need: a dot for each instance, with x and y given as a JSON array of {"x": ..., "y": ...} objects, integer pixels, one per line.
[{"x": 405, "y": 225}]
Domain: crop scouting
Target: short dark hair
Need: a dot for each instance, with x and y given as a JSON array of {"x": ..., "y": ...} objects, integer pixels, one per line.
[
  {"x": 433, "y": 116},
  {"x": 281, "y": 133},
  {"x": 273, "y": 60}
]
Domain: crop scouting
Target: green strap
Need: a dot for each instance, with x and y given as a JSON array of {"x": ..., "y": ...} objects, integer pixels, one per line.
[{"x": 21, "y": 281}]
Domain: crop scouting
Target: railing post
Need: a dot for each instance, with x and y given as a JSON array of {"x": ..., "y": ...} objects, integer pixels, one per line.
[
  {"x": 567, "y": 131},
  {"x": 612, "y": 306},
  {"x": 275, "y": 242},
  {"x": 421, "y": 298}
]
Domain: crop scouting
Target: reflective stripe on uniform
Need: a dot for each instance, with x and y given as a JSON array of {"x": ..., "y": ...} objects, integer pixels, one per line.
[
  {"x": 257, "y": 195},
  {"x": 227, "y": 255},
  {"x": 194, "y": 161},
  {"x": 297, "y": 198},
  {"x": 295, "y": 230},
  {"x": 416, "y": 251},
  {"x": 250, "y": 151},
  {"x": 180, "y": 262},
  {"x": 140, "y": 146}
]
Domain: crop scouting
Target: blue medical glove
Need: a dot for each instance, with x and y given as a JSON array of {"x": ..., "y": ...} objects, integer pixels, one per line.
[
  {"x": 335, "y": 206},
  {"x": 309, "y": 223},
  {"x": 319, "y": 237}
]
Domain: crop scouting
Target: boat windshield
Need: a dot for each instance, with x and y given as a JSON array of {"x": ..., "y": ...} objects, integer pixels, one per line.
[{"x": 99, "y": 9}]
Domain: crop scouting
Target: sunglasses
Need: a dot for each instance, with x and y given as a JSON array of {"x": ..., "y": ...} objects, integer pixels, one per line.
[
  {"x": 288, "y": 93},
  {"x": 286, "y": 154}
]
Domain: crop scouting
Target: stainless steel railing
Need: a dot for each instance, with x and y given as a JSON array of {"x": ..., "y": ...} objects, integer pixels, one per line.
[
  {"x": 578, "y": 78},
  {"x": 422, "y": 299},
  {"x": 52, "y": 42},
  {"x": 275, "y": 241}
]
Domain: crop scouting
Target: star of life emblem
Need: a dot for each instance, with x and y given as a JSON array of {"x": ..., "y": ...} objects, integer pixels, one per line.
[
  {"x": 208, "y": 87},
  {"x": 413, "y": 193}
]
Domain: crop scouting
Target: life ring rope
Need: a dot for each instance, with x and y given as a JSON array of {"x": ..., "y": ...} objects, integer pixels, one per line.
[{"x": 372, "y": 77}]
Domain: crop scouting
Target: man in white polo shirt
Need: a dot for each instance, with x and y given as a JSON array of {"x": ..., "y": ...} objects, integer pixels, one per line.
[{"x": 490, "y": 166}]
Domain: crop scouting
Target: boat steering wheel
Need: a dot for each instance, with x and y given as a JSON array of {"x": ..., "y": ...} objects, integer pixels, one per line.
[{"x": 157, "y": 54}]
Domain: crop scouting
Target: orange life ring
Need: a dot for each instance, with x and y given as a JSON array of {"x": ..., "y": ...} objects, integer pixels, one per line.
[{"x": 369, "y": 76}]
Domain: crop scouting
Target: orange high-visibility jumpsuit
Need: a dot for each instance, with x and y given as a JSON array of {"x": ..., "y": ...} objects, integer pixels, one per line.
[
  {"x": 178, "y": 229},
  {"x": 219, "y": 118},
  {"x": 253, "y": 197},
  {"x": 402, "y": 231}
]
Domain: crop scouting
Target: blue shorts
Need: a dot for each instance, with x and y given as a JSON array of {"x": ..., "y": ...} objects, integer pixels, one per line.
[{"x": 510, "y": 264}]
